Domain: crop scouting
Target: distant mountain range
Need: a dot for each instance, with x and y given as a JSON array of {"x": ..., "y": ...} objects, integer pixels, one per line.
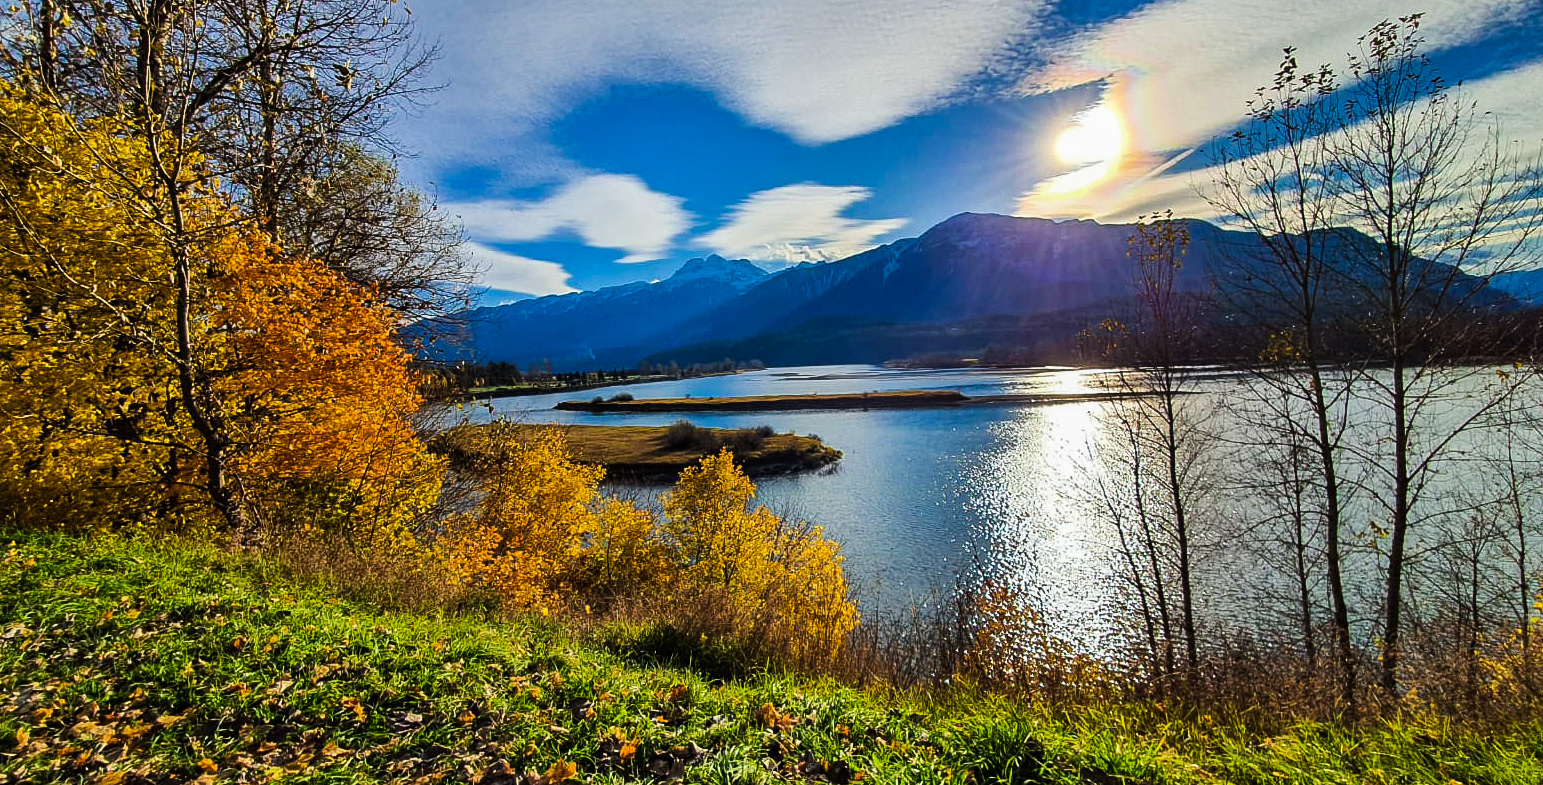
[{"x": 971, "y": 282}]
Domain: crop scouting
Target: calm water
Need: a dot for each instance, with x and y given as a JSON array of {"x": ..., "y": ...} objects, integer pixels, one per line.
[
  {"x": 922, "y": 495},
  {"x": 917, "y": 491}
]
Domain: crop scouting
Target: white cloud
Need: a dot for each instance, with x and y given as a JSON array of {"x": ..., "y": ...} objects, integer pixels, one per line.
[
  {"x": 797, "y": 223},
  {"x": 512, "y": 273},
  {"x": 1186, "y": 68},
  {"x": 1507, "y": 98},
  {"x": 819, "y": 70},
  {"x": 1174, "y": 96},
  {"x": 605, "y": 211}
]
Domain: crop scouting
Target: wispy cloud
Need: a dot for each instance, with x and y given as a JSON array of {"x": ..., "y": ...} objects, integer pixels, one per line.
[
  {"x": 798, "y": 223},
  {"x": 605, "y": 211},
  {"x": 1189, "y": 66},
  {"x": 1181, "y": 72},
  {"x": 1503, "y": 98},
  {"x": 509, "y": 272},
  {"x": 816, "y": 70}
]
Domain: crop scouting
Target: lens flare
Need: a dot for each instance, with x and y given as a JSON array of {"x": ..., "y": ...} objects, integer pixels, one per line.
[{"x": 1096, "y": 135}]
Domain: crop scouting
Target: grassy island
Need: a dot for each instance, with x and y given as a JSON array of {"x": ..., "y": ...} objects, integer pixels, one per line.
[{"x": 635, "y": 452}]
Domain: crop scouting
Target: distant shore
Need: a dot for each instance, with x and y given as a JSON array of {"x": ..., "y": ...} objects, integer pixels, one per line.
[
  {"x": 519, "y": 390},
  {"x": 896, "y": 399}
]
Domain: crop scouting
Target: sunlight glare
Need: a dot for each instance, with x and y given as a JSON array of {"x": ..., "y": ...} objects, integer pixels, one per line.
[{"x": 1095, "y": 136}]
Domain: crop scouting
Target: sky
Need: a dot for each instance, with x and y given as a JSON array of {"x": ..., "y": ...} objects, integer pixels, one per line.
[{"x": 589, "y": 143}]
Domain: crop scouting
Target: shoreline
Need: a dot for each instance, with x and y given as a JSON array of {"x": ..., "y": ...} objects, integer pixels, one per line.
[{"x": 898, "y": 399}]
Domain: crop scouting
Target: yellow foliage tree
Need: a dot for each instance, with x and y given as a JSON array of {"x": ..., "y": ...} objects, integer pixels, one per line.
[
  {"x": 527, "y": 532},
  {"x": 623, "y": 551},
  {"x": 297, "y": 365},
  {"x": 89, "y": 429},
  {"x": 783, "y": 578}
]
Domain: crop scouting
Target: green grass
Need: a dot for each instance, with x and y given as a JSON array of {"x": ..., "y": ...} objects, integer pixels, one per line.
[{"x": 130, "y": 662}]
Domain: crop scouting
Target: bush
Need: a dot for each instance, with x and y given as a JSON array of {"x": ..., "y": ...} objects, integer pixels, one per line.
[
  {"x": 764, "y": 431},
  {"x": 621, "y": 397},
  {"x": 682, "y": 434},
  {"x": 745, "y": 439},
  {"x": 777, "y": 583},
  {"x": 597, "y": 399}
]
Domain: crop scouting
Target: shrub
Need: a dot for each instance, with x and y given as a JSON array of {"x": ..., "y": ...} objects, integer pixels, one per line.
[
  {"x": 744, "y": 440},
  {"x": 682, "y": 434},
  {"x": 764, "y": 431},
  {"x": 597, "y": 399},
  {"x": 780, "y": 580},
  {"x": 621, "y": 397},
  {"x": 536, "y": 507}
]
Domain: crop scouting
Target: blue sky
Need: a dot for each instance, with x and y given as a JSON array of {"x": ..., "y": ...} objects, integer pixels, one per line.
[{"x": 586, "y": 144}]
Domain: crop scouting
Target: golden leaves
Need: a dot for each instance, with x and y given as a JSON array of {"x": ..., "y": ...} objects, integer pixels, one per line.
[
  {"x": 768, "y": 717},
  {"x": 561, "y": 771},
  {"x": 353, "y": 705},
  {"x": 782, "y": 577},
  {"x": 307, "y": 376}
]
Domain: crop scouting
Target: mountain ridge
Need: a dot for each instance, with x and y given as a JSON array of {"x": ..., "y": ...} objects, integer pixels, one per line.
[{"x": 993, "y": 278}]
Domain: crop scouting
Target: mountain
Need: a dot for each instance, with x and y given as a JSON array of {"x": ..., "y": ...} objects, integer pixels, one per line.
[
  {"x": 1524, "y": 285},
  {"x": 975, "y": 265},
  {"x": 778, "y": 300},
  {"x": 1023, "y": 286},
  {"x": 608, "y": 327}
]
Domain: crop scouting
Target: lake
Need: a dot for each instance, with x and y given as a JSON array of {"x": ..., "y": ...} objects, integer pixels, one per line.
[
  {"x": 917, "y": 490},
  {"x": 923, "y": 494}
]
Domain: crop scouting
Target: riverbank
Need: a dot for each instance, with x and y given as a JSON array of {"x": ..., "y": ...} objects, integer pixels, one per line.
[
  {"x": 895, "y": 399},
  {"x": 521, "y": 390},
  {"x": 516, "y": 391},
  {"x": 659, "y": 453},
  {"x": 127, "y": 663}
]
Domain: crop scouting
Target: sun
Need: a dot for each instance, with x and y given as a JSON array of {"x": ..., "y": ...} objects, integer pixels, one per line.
[{"x": 1096, "y": 135}]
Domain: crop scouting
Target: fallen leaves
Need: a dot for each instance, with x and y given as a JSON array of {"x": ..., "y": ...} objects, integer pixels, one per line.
[
  {"x": 770, "y": 718},
  {"x": 352, "y": 704}
]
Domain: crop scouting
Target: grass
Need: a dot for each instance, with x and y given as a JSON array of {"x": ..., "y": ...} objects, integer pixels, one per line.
[
  {"x": 131, "y": 662},
  {"x": 649, "y": 451}
]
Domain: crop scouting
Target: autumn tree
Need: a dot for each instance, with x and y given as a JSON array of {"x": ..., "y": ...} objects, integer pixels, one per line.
[
  {"x": 781, "y": 578},
  {"x": 285, "y": 103},
  {"x": 298, "y": 366},
  {"x": 90, "y": 416}
]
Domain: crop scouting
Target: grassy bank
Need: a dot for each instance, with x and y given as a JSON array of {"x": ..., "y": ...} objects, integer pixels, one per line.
[
  {"x": 535, "y": 388},
  {"x": 123, "y": 662},
  {"x": 661, "y": 452}
]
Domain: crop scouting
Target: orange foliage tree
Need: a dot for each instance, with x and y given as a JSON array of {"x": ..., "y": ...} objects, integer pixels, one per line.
[
  {"x": 298, "y": 365},
  {"x": 319, "y": 394}
]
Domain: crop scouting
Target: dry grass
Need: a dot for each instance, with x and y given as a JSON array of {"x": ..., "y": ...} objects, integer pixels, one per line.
[{"x": 646, "y": 451}]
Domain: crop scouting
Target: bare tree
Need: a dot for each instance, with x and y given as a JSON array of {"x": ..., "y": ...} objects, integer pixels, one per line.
[
  {"x": 1162, "y": 427},
  {"x": 285, "y": 102},
  {"x": 1268, "y": 184},
  {"x": 1384, "y": 205}
]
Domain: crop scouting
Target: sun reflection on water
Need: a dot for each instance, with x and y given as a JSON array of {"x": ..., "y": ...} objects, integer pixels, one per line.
[{"x": 1028, "y": 518}]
